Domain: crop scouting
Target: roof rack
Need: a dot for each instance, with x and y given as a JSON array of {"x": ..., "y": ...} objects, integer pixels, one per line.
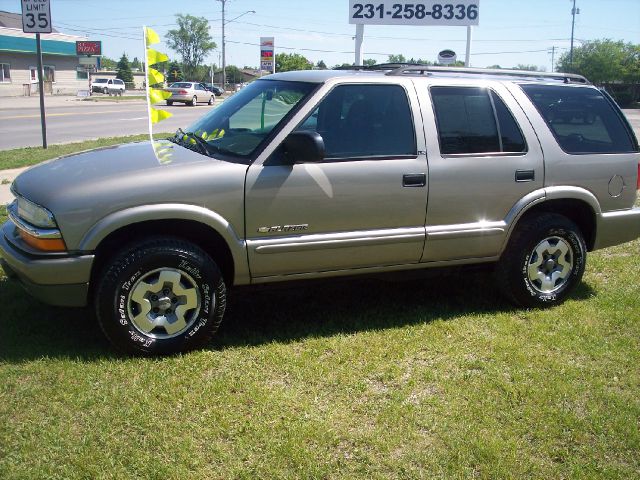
[
  {"x": 377, "y": 66},
  {"x": 430, "y": 70}
]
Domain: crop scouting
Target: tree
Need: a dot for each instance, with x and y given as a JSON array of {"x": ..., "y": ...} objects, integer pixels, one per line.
[
  {"x": 604, "y": 61},
  {"x": 285, "y": 62},
  {"x": 234, "y": 74},
  {"x": 530, "y": 68},
  {"x": 123, "y": 71},
  {"x": 107, "y": 63},
  {"x": 191, "y": 40},
  {"x": 495, "y": 67},
  {"x": 135, "y": 64},
  {"x": 174, "y": 73},
  {"x": 369, "y": 62},
  {"x": 398, "y": 58},
  {"x": 321, "y": 65}
]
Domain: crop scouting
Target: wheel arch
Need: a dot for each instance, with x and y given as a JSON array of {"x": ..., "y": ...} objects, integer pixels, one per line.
[
  {"x": 577, "y": 210},
  {"x": 198, "y": 233}
]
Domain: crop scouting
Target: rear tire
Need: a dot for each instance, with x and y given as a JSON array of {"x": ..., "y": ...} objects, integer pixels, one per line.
[
  {"x": 169, "y": 102},
  {"x": 194, "y": 101},
  {"x": 211, "y": 100},
  {"x": 160, "y": 296},
  {"x": 544, "y": 261}
]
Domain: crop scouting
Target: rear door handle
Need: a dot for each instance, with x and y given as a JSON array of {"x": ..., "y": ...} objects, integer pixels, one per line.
[
  {"x": 414, "y": 180},
  {"x": 525, "y": 175}
]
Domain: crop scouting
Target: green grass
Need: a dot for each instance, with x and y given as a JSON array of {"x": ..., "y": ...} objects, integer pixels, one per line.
[
  {"x": 435, "y": 378},
  {"x": 23, "y": 157}
]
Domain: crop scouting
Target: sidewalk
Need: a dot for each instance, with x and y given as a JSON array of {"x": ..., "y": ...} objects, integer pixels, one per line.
[
  {"x": 19, "y": 103},
  {"x": 6, "y": 177}
]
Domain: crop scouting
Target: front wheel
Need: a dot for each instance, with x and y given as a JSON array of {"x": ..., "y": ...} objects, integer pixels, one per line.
[
  {"x": 160, "y": 296},
  {"x": 211, "y": 100},
  {"x": 544, "y": 261}
]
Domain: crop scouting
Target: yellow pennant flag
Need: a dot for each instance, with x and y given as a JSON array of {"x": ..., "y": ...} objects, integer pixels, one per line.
[
  {"x": 151, "y": 36},
  {"x": 153, "y": 57},
  {"x": 154, "y": 76},
  {"x": 159, "y": 115},
  {"x": 157, "y": 95}
]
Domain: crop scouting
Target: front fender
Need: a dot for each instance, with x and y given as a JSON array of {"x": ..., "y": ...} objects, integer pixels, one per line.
[{"x": 123, "y": 218}]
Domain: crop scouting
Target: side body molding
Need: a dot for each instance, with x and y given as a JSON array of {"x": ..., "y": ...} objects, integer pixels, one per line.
[{"x": 130, "y": 216}]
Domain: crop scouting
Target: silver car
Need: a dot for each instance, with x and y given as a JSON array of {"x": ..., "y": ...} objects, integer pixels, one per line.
[
  {"x": 189, "y": 93},
  {"x": 319, "y": 174}
]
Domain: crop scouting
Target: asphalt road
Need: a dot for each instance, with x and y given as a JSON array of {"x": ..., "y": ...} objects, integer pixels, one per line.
[{"x": 71, "y": 120}]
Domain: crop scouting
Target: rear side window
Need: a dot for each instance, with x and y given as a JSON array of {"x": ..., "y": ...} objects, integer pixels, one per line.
[
  {"x": 581, "y": 119},
  {"x": 474, "y": 120}
]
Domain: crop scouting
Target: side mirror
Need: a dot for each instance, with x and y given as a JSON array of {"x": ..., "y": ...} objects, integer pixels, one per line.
[{"x": 303, "y": 147}]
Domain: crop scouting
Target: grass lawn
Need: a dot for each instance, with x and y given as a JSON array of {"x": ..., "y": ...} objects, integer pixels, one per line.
[
  {"x": 24, "y": 157},
  {"x": 376, "y": 379}
]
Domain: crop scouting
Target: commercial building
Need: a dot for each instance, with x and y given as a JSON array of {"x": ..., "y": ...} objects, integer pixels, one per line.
[{"x": 62, "y": 71}]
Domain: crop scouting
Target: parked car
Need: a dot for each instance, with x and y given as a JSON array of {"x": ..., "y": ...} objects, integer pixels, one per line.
[
  {"x": 189, "y": 93},
  {"x": 319, "y": 174},
  {"x": 214, "y": 88},
  {"x": 111, "y": 86}
]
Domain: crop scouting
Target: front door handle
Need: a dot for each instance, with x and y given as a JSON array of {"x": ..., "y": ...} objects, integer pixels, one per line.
[
  {"x": 414, "y": 180},
  {"x": 525, "y": 175}
]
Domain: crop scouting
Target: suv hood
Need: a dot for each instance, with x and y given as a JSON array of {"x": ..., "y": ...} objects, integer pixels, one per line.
[{"x": 81, "y": 189}]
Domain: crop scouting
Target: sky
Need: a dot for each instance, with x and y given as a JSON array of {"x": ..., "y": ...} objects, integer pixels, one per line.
[{"x": 510, "y": 32}]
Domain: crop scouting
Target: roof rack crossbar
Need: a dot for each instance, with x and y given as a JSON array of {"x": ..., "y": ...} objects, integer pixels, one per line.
[{"x": 425, "y": 69}]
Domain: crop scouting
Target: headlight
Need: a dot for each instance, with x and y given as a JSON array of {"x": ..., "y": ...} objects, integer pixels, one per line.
[{"x": 35, "y": 214}]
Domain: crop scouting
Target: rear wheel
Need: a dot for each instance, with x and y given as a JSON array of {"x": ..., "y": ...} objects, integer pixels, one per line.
[
  {"x": 160, "y": 296},
  {"x": 169, "y": 102},
  {"x": 194, "y": 101},
  {"x": 544, "y": 261}
]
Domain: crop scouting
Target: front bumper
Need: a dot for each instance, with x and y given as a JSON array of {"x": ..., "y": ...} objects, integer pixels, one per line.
[
  {"x": 55, "y": 279},
  {"x": 618, "y": 227}
]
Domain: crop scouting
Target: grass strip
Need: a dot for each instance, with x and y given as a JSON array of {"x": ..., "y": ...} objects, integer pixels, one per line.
[{"x": 27, "y": 156}]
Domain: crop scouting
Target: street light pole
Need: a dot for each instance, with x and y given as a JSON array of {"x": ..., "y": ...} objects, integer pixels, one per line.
[{"x": 224, "y": 61}]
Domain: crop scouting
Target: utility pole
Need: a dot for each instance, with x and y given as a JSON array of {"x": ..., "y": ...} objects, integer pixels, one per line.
[
  {"x": 553, "y": 54},
  {"x": 224, "y": 65},
  {"x": 574, "y": 12}
]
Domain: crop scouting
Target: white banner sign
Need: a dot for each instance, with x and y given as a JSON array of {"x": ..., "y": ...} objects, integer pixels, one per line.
[
  {"x": 36, "y": 16},
  {"x": 393, "y": 12}
]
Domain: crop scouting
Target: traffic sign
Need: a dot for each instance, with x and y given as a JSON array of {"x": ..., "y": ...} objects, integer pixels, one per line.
[{"x": 36, "y": 16}]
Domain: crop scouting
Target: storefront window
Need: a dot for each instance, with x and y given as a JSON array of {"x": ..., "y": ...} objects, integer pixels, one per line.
[
  {"x": 48, "y": 73},
  {"x": 82, "y": 74}
]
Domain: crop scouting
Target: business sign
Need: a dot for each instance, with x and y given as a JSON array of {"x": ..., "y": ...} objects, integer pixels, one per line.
[
  {"x": 88, "y": 61},
  {"x": 267, "y": 55},
  {"x": 394, "y": 12},
  {"x": 447, "y": 57},
  {"x": 89, "y": 48},
  {"x": 36, "y": 16}
]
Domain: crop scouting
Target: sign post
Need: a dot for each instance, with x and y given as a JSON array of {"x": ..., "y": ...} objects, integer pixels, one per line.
[{"x": 36, "y": 18}]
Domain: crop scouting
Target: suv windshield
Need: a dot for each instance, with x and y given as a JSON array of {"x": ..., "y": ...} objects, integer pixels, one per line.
[
  {"x": 241, "y": 124},
  {"x": 100, "y": 80}
]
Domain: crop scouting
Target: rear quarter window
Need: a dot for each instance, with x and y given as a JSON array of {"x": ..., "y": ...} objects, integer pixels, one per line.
[{"x": 581, "y": 119}]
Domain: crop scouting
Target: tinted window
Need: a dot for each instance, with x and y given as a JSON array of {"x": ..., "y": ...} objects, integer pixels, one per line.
[
  {"x": 510, "y": 134},
  {"x": 474, "y": 120},
  {"x": 364, "y": 121},
  {"x": 581, "y": 119}
]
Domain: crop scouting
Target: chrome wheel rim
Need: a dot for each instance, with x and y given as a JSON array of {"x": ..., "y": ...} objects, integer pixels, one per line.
[
  {"x": 164, "y": 303},
  {"x": 550, "y": 264}
]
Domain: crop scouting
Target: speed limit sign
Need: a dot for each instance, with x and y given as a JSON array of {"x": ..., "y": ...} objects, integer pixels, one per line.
[{"x": 36, "y": 16}]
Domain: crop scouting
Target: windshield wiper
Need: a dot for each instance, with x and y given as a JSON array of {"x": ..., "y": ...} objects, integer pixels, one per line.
[{"x": 203, "y": 146}]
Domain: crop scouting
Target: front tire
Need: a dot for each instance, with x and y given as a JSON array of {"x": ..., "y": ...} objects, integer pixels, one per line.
[
  {"x": 160, "y": 296},
  {"x": 211, "y": 100},
  {"x": 544, "y": 261}
]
